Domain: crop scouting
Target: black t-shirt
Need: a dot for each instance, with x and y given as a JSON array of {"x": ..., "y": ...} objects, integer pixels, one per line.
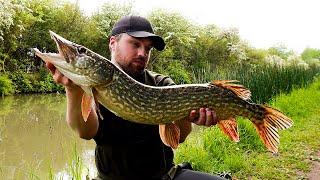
[{"x": 128, "y": 150}]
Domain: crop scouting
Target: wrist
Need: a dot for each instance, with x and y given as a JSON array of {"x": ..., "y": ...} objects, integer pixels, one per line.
[{"x": 74, "y": 91}]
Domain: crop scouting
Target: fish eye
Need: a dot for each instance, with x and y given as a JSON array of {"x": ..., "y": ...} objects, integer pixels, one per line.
[{"x": 82, "y": 50}]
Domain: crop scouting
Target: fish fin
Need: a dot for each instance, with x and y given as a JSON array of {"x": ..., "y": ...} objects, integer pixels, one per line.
[
  {"x": 170, "y": 134},
  {"x": 89, "y": 101},
  {"x": 268, "y": 128},
  {"x": 230, "y": 128},
  {"x": 96, "y": 104},
  {"x": 86, "y": 106},
  {"x": 269, "y": 135},
  {"x": 277, "y": 118},
  {"x": 238, "y": 89}
]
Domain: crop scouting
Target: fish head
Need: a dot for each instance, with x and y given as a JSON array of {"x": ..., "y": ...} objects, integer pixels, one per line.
[
  {"x": 83, "y": 66},
  {"x": 66, "y": 48}
]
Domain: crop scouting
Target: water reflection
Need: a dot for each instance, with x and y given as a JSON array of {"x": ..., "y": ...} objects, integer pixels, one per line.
[{"x": 35, "y": 141}]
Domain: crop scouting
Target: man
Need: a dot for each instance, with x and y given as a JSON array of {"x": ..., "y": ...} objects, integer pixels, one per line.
[{"x": 127, "y": 150}]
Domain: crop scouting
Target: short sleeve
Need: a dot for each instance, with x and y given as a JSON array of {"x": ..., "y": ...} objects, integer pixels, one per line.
[{"x": 156, "y": 79}]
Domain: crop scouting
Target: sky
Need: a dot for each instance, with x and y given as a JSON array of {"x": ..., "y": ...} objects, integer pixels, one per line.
[{"x": 262, "y": 23}]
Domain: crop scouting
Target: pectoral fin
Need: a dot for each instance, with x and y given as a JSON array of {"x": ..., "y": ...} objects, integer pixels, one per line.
[
  {"x": 89, "y": 102},
  {"x": 86, "y": 106},
  {"x": 230, "y": 128},
  {"x": 170, "y": 134}
]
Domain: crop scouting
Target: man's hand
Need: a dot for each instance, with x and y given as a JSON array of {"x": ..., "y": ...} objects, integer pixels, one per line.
[
  {"x": 206, "y": 117},
  {"x": 59, "y": 78}
]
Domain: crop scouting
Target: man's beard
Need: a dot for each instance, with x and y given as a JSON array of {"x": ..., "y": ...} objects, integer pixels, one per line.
[{"x": 130, "y": 69}]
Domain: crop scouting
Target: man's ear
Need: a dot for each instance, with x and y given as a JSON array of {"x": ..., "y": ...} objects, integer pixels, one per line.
[{"x": 112, "y": 43}]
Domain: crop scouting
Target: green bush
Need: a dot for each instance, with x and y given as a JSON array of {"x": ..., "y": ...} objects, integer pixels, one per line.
[
  {"x": 41, "y": 82},
  {"x": 46, "y": 83},
  {"x": 177, "y": 72},
  {"x": 43, "y": 86},
  {"x": 6, "y": 86},
  {"x": 21, "y": 82}
]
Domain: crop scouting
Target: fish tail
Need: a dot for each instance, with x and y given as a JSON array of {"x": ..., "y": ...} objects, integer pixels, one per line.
[{"x": 268, "y": 127}]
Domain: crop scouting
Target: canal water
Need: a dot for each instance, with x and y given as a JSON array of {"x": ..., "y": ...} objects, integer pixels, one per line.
[{"x": 36, "y": 142}]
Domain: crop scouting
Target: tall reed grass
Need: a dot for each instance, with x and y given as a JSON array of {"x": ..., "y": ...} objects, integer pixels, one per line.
[{"x": 264, "y": 81}]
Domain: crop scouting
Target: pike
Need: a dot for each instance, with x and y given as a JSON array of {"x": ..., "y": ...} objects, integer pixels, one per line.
[{"x": 104, "y": 82}]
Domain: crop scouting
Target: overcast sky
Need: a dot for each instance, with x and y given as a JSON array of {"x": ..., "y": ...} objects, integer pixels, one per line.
[{"x": 263, "y": 23}]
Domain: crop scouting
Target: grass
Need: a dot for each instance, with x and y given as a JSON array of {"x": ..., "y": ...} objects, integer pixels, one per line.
[
  {"x": 210, "y": 151},
  {"x": 76, "y": 165}
]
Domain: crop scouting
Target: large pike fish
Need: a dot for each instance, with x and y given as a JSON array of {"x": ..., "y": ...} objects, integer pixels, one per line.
[{"x": 106, "y": 83}]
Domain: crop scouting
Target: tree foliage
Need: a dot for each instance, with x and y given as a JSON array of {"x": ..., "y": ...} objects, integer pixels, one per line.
[
  {"x": 190, "y": 48},
  {"x": 310, "y": 54}
]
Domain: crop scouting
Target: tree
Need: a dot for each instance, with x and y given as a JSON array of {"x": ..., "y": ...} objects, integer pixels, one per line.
[
  {"x": 10, "y": 31},
  {"x": 103, "y": 21},
  {"x": 280, "y": 50},
  {"x": 179, "y": 34},
  {"x": 310, "y": 53}
]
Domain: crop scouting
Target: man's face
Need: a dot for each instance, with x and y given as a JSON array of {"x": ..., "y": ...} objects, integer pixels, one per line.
[{"x": 131, "y": 54}]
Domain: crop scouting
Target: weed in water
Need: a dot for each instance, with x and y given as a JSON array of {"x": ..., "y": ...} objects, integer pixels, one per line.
[{"x": 76, "y": 165}]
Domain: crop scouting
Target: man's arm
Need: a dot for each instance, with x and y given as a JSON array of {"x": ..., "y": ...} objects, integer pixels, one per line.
[{"x": 86, "y": 129}]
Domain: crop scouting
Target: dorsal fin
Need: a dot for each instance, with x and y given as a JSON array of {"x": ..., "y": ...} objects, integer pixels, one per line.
[{"x": 238, "y": 89}]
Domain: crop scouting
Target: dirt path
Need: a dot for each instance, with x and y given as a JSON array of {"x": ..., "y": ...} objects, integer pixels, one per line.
[{"x": 315, "y": 171}]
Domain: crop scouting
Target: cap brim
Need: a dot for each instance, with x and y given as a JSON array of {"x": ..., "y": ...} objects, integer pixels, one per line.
[{"x": 158, "y": 42}]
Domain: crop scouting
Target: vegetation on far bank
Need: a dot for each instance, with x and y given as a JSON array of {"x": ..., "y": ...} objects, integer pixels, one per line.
[{"x": 194, "y": 53}]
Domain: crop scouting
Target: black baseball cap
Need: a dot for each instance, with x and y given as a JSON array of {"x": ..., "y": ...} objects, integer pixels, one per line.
[{"x": 137, "y": 26}]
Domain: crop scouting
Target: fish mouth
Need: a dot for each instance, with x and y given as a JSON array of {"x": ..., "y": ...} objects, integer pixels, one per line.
[
  {"x": 48, "y": 57},
  {"x": 66, "y": 48}
]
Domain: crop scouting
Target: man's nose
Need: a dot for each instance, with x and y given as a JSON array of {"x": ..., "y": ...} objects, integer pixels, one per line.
[{"x": 143, "y": 52}]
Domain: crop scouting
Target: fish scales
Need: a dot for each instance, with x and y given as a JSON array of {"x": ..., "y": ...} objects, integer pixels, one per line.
[{"x": 175, "y": 102}]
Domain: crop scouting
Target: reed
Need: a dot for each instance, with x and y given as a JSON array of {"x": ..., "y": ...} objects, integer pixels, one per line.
[
  {"x": 76, "y": 164},
  {"x": 264, "y": 81}
]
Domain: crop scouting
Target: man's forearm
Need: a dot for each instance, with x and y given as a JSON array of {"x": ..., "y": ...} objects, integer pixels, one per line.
[{"x": 86, "y": 129}]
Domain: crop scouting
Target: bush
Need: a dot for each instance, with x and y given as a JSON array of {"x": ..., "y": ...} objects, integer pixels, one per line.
[
  {"x": 21, "y": 82},
  {"x": 6, "y": 86},
  {"x": 46, "y": 83},
  {"x": 177, "y": 72},
  {"x": 41, "y": 82}
]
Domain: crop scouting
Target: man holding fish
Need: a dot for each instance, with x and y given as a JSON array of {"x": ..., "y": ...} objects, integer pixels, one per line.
[{"x": 125, "y": 149}]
